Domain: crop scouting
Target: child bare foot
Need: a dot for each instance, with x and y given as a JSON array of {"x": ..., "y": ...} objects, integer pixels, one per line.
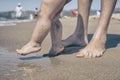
[
  {"x": 73, "y": 40},
  {"x": 29, "y": 48},
  {"x": 94, "y": 49}
]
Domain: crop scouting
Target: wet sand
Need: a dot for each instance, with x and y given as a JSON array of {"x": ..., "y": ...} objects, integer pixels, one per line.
[{"x": 63, "y": 67}]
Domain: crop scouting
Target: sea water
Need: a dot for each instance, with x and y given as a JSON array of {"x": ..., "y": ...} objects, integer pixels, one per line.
[{"x": 12, "y": 22}]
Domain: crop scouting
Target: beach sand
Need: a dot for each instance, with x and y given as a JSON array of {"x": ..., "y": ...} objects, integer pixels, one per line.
[{"x": 66, "y": 66}]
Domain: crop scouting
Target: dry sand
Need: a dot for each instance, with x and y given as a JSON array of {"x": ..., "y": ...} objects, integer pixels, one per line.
[{"x": 63, "y": 67}]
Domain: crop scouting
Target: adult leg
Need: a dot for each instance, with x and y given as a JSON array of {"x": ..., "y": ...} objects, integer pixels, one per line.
[
  {"x": 56, "y": 35},
  {"x": 49, "y": 9},
  {"x": 79, "y": 37},
  {"x": 96, "y": 47}
]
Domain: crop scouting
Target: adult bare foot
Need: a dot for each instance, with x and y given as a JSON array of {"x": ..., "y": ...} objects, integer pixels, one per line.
[
  {"x": 29, "y": 48},
  {"x": 55, "y": 50},
  {"x": 73, "y": 40},
  {"x": 94, "y": 49}
]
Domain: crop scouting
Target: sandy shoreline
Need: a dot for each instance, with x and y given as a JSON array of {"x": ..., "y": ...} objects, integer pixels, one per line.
[{"x": 62, "y": 67}]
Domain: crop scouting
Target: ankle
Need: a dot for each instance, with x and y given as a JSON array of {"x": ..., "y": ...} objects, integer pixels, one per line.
[
  {"x": 57, "y": 46},
  {"x": 33, "y": 43},
  {"x": 101, "y": 41},
  {"x": 82, "y": 38},
  {"x": 101, "y": 38}
]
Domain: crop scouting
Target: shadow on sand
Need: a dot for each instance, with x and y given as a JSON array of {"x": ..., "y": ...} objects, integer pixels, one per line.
[{"x": 112, "y": 41}]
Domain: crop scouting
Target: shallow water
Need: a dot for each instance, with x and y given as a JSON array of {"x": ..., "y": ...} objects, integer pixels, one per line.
[
  {"x": 13, "y": 22},
  {"x": 17, "y": 67}
]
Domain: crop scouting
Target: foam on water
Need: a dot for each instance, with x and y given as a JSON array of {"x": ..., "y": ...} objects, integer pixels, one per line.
[{"x": 13, "y": 22}]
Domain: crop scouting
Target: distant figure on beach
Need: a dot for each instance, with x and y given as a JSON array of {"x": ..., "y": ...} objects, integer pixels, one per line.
[
  {"x": 36, "y": 12},
  {"x": 31, "y": 17},
  {"x": 49, "y": 20},
  {"x": 18, "y": 11},
  {"x": 74, "y": 12},
  {"x": 98, "y": 13}
]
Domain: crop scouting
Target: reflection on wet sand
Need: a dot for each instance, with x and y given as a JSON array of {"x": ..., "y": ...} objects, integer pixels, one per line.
[{"x": 32, "y": 71}]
